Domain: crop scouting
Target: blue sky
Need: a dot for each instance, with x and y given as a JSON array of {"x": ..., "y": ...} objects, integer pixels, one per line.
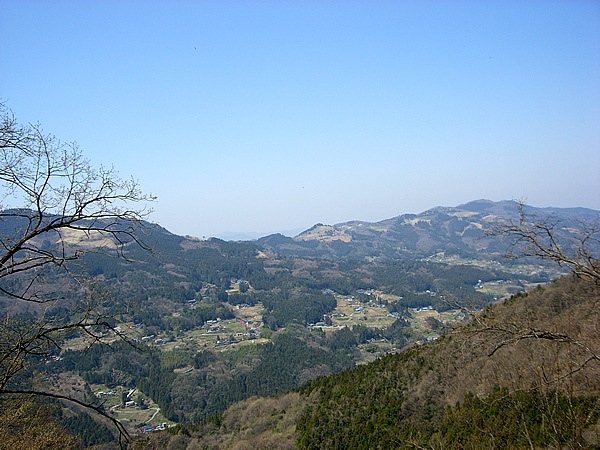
[{"x": 264, "y": 116}]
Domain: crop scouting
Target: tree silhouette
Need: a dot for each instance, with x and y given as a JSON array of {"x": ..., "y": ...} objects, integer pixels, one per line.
[{"x": 54, "y": 208}]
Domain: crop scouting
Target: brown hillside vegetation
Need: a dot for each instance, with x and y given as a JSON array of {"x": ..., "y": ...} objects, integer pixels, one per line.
[
  {"x": 548, "y": 340},
  {"x": 29, "y": 424},
  {"x": 525, "y": 373},
  {"x": 256, "y": 423}
]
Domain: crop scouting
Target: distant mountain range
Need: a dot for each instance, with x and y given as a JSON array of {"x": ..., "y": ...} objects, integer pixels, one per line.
[
  {"x": 462, "y": 231},
  {"x": 252, "y": 235}
]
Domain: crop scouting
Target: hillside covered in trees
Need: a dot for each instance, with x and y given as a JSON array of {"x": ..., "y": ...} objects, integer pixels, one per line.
[{"x": 522, "y": 374}]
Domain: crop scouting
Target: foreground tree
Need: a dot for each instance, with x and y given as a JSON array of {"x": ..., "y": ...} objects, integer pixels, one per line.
[
  {"x": 572, "y": 244},
  {"x": 54, "y": 207},
  {"x": 561, "y": 337}
]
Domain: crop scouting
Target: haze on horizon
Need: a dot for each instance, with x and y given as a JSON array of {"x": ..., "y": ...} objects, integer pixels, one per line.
[{"x": 272, "y": 116}]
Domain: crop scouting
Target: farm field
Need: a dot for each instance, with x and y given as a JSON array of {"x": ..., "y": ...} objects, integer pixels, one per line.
[
  {"x": 351, "y": 311},
  {"x": 134, "y": 410}
]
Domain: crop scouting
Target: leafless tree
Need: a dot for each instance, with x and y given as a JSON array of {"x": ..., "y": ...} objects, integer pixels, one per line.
[
  {"x": 573, "y": 244},
  {"x": 54, "y": 207}
]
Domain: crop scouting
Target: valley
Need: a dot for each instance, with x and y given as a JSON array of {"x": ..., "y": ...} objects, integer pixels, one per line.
[{"x": 198, "y": 325}]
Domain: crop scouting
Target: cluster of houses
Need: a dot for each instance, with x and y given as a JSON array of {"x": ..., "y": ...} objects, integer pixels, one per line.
[
  {"x": 104, "y": 394},
  {"x": 216, "y": 327},
  {"x": 423, "y": 308},
  {"x": 152, "y": 427}
]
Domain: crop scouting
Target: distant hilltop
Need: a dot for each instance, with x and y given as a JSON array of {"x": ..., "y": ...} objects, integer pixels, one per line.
[
  {"x": 462, "y": 231},
  {"x": 504, "y": 209}
]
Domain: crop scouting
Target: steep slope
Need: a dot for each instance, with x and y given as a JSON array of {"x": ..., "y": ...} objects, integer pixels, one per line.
[{"x": 533, "y": 358}]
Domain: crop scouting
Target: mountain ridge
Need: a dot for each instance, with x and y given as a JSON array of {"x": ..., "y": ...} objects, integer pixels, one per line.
[
  {"x": 472, "y": 205},
  {"x": 465, "y": 230}
]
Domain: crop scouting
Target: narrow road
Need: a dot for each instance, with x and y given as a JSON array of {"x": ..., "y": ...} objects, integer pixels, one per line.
[{"x": 154, "y": 415}]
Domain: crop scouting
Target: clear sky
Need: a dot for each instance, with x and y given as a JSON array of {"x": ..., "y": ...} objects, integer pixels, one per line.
[{"x": 264, "y": 116}]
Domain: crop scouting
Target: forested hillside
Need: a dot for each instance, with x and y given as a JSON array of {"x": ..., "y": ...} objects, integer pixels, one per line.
[
  {"x": 462, "y": 233},
  {"x": 524, "y": 373}
]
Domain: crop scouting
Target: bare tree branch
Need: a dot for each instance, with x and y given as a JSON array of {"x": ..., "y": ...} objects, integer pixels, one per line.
[
  {"x": 571, "y": 244},
  {"x": 123, "y": 433},
  {"x": 54, "y": 208}
]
